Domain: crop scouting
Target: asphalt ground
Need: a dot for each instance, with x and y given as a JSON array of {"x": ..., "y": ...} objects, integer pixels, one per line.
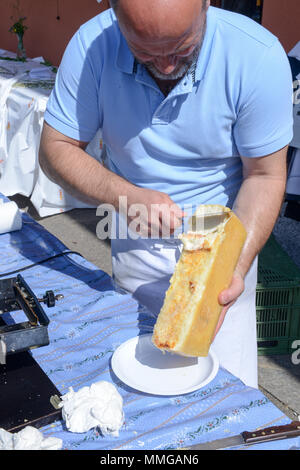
[{"x": 278, "y": 375}]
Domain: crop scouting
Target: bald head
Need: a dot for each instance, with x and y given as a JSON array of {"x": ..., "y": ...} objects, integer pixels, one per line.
[
  {"x": 162, "y": 33},
  {"x": 160, "y": 18}
]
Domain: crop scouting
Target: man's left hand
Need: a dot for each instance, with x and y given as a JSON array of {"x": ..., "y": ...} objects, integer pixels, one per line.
[{"x": 228, "y": 297}]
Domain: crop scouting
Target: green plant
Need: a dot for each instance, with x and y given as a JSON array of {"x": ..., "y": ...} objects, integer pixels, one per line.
[{"x": 18, "y": 28}]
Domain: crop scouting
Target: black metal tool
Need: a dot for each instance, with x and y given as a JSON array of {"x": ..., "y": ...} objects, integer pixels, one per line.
[
  {"x": 25, "y": 389},
  {"x": 15, "y": 294}
]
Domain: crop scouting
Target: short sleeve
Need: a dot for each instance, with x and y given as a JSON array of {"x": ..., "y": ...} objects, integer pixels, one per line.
[
  {"x": 73, "y": 106},
  {"x": 264, "y": 122}
]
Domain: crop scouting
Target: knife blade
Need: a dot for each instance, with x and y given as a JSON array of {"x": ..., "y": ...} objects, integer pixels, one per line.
[
  {"x": 207, "y": 221},
  {"x": 247, "y": 438}
]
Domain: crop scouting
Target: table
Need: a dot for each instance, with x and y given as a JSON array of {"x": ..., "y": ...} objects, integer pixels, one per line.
[
  {"x": 24, "y": 90},
  {"x": 88, "y": 325}
]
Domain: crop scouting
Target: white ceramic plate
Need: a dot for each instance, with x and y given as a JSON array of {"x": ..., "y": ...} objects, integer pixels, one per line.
[{"x": 142, "y": 366}]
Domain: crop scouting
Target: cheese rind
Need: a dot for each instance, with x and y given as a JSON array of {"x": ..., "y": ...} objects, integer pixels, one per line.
[{"x": 189, "y": 315}]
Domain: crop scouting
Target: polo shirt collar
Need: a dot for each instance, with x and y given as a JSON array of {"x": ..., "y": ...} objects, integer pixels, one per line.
[
  {"x": 207, "y": 45},
  {"x": 125, "y": 60}
]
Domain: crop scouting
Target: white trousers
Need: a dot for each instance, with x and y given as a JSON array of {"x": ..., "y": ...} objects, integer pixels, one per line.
[{"x": 144, "y": 266}]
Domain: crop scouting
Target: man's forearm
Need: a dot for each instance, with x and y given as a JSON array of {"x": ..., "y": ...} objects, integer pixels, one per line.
[
  {"x": 258, "y": 205},
  {"x": 81, "y": 175},
  {"x": 65, "y": 162}
]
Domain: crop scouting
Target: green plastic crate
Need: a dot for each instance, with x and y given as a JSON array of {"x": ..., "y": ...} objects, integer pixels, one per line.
[{"x": 277, "y": 300}]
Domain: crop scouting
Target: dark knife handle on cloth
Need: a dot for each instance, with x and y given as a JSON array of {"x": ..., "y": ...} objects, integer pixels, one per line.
[{"x": 272, "y": 433}]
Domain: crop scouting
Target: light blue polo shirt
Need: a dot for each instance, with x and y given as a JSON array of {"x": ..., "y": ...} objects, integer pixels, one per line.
[{"x": 238, "y": 102}]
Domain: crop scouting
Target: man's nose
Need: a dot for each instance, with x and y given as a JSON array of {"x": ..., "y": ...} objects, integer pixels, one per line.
[{"x": 166, "y": 65}]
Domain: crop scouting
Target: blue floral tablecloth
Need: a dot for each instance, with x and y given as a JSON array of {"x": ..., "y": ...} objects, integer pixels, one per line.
[{"x": 85, "y": 329}]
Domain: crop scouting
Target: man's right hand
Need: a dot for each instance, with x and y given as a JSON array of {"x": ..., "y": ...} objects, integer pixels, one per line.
[{"x": 151, "y": 213}]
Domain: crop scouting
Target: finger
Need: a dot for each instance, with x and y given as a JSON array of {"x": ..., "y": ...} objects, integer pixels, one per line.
[
  {"x": 176, "y": 219},
  {"x": 222, "y": 318},
  {"x": 233, "y": 291},
  {"x": 177, "y": 211},
  {"x": 169, "y": 222}
]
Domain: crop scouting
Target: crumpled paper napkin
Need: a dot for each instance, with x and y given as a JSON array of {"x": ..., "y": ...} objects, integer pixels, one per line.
[{"x": 28, "y": 438}]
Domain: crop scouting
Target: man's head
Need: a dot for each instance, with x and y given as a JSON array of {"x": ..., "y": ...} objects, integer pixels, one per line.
[{"x": 164, "y": 35}]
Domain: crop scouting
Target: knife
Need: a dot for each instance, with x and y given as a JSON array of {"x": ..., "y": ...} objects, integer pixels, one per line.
[
  {"x": 207, "y": 221},
  {"x": 247, "y": 438}
]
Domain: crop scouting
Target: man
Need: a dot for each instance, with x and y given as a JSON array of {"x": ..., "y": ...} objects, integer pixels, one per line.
[{"x": 195, "y": 106}]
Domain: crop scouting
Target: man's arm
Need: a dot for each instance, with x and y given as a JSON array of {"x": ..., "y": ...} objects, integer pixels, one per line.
[
  {"x": 257, "y": 205},
  {"x": 259, "y": 201},
  {"x": 65, "y": 162}
]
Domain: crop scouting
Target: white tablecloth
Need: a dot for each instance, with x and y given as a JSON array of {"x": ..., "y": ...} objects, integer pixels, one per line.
[{"x": 24, "y": 90}]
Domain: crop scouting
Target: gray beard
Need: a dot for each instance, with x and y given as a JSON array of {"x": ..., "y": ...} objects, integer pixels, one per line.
[
  {"x": 183, "y": 69},
  {"x": 177, "y": 74}
]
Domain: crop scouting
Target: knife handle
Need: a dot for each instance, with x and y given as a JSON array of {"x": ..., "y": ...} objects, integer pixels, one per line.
[{"x": 274, "y": 432}]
